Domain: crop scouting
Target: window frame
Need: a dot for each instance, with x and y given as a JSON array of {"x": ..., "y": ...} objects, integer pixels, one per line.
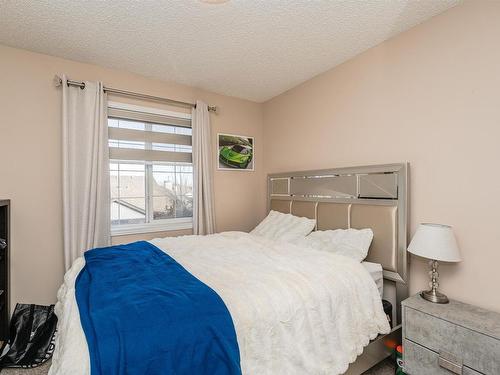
[{"x": 162, "y": 225}]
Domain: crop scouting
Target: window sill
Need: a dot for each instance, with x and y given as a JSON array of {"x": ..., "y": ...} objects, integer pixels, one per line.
[{"x": 170, "y": 225}]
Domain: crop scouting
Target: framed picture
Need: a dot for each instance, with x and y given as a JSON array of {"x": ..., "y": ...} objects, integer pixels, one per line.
[{"x": 235, "y": 152}]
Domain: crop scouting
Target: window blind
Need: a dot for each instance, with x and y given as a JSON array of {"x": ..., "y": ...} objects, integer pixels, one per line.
[{"x": 149, "y": 137}]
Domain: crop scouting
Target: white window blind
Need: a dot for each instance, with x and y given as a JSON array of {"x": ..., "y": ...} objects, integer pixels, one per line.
[
  {"x": 149, "y": 137},
  {"x": 151, "y": 172}
]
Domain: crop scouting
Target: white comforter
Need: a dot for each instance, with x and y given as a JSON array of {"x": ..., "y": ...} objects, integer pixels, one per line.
[{"x": 295, "y": 310}]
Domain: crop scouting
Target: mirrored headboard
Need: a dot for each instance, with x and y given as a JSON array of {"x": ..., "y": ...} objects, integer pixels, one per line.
[{"x": 373, "y": 197}]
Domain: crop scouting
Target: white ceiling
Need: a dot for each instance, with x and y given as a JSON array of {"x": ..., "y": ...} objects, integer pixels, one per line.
[{"x": 252, "y": 49}]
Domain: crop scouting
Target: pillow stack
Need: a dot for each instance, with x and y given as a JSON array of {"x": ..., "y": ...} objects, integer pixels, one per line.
[
  {"x": 352, "y": 243},
  {"x": 284, "y": 227}
]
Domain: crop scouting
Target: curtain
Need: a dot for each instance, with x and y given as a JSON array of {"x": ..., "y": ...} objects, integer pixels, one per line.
[
  {"x": 86, "y": 202},
  {"x": 203, "y": 197}
]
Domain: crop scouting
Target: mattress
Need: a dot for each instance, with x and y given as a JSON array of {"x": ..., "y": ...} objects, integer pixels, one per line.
[{"x": 377, "y": 274}]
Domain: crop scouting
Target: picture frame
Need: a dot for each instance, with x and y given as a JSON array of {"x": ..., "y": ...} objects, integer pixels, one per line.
[{"x": 235, "y": 152}]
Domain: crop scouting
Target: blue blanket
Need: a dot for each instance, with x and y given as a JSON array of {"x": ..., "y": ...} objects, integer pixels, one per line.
[{"x": 143, "y": 313}]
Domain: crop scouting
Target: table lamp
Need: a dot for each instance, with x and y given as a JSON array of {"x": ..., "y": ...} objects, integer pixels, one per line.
[{"x": 435, "y": 242}]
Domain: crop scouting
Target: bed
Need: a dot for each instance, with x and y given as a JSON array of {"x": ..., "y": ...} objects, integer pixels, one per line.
[
  {"x": 294, "y": 310},
  {"x": 375, "y": 197}
]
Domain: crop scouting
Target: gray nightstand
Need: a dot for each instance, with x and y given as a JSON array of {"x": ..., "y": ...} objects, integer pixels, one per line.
[{"x": 453, "y": 338}]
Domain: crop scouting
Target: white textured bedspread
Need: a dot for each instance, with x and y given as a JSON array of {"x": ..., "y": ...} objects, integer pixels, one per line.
[{"x": 295, "y": 310}]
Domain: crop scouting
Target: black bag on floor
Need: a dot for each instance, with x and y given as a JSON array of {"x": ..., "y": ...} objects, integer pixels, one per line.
[{"x": 32, "y": 335}]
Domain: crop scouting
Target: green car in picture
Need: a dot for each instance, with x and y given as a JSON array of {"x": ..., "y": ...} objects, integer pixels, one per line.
[{"x": 238, "y": 156}]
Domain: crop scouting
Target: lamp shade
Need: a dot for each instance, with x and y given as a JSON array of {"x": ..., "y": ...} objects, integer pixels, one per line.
[{"x": 435, "y": 241}]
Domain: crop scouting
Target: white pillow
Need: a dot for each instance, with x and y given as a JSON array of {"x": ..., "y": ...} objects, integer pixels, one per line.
[
  {"x": 353, "y": 243},
  {"x": 284, "y": 227}
]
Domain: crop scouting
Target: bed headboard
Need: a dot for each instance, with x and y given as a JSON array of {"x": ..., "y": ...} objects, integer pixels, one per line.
[{"x": 373, "y": 197}]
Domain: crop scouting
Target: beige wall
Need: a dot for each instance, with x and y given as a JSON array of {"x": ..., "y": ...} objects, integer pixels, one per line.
[
  {"x": 30, "y": 161},
  {"x": 430, "y": 96}
]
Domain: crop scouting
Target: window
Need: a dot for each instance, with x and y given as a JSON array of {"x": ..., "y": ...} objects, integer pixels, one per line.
[
  {"x": 240, "y": 149},
  {"x": 151, "y": 171}
]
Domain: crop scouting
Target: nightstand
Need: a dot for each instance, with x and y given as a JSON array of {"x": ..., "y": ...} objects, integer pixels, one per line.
[{"x": 453, "y": 338}]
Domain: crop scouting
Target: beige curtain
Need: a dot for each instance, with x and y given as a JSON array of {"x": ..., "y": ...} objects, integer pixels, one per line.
[
  {"x": 203, "y": 199},
  {"x": 86, "y": 205}
]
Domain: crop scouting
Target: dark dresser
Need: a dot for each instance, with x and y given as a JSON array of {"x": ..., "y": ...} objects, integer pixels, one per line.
[
  {"x": 453, "y": 338},
  {"x": 4, "y": 268}
]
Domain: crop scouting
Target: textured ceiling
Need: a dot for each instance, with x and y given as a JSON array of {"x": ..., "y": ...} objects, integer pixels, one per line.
[{"x": 252, "y": 49}]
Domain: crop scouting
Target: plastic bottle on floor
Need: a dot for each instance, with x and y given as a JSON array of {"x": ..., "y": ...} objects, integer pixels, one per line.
[{"x": 399, "y": 360}]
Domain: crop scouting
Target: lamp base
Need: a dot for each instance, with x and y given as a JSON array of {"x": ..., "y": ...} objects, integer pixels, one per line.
[{"x": 434, "y": 296}]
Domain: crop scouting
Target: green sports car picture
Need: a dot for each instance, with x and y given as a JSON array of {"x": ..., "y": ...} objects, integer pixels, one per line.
[{"x": 235, "y": 152}]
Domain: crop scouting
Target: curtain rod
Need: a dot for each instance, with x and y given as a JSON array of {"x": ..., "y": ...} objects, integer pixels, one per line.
[{"x": 131, "y": 94}]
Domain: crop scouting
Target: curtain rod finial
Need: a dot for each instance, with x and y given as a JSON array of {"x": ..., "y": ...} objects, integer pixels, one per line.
[
  {"x": 57, "y": 80},
  {"x": 212, "y": 108}
]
